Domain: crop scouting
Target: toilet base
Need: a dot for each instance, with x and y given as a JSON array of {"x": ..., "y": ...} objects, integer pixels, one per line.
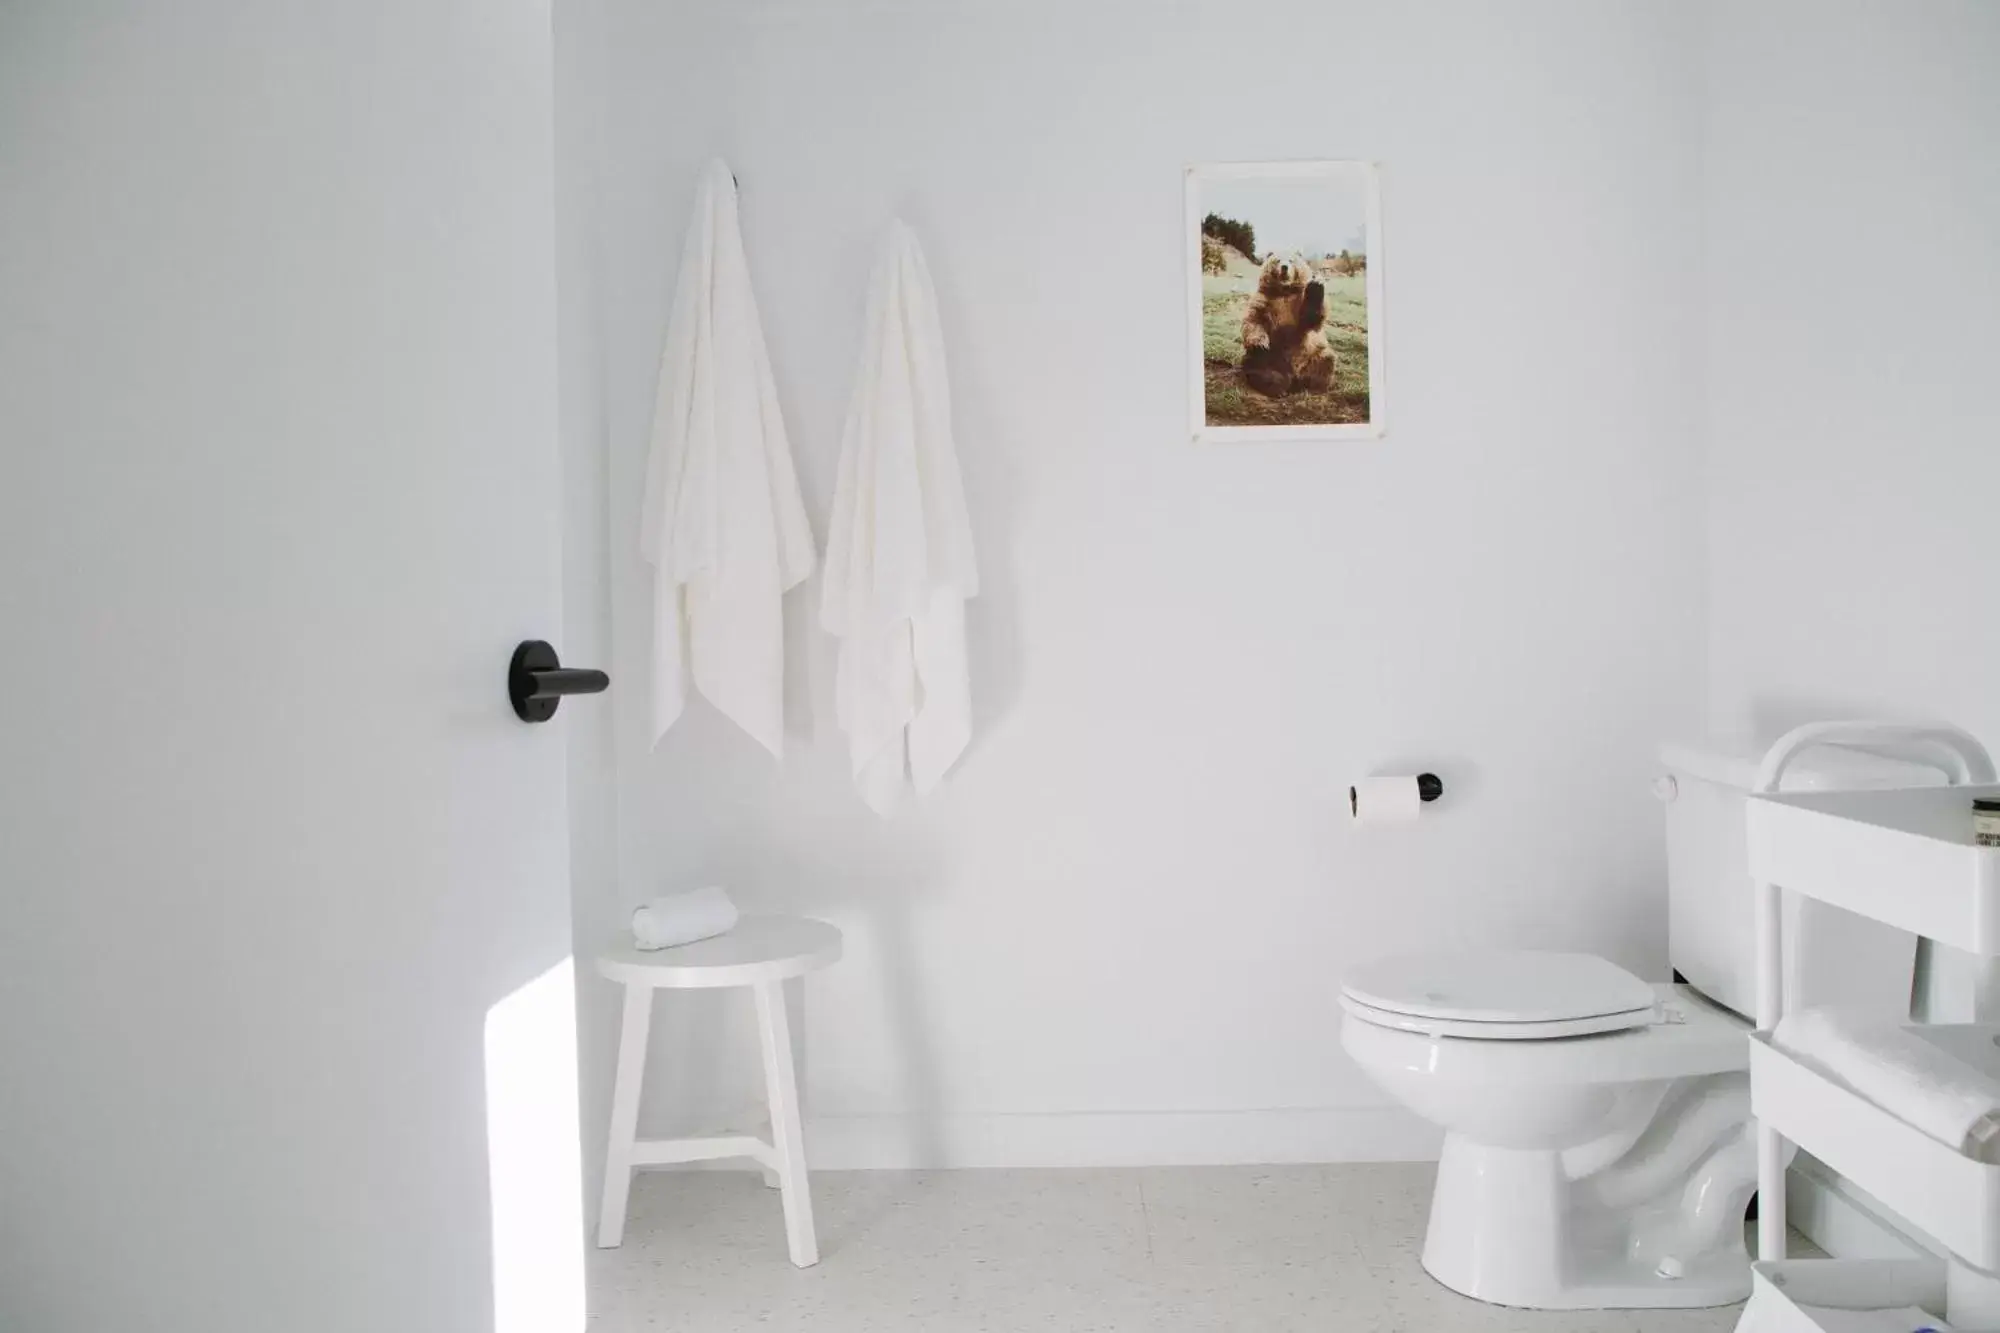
[
  {"x": 1508, "y": 1227},
  {"x": 1621, "y": 1286}
]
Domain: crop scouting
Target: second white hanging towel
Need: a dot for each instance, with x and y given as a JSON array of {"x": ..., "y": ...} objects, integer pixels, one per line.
[
  {"x": 724, "y": 527},
  {"x": 899, "y": 564}
]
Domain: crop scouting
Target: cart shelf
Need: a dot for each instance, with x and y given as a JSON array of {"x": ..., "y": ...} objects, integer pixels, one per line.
[
  {"x": 1905, "y": 856},
  {"x": 1953, "y": 1197},
  {"x": 1836, "y": 1295}
]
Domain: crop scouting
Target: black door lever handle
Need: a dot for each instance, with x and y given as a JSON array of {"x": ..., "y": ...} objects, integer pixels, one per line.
[{"x": 537, "y": 681}]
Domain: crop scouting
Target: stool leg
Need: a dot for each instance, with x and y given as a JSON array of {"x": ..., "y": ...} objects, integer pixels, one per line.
[
  {"x": 624, "y": 1114},
  {"x": 774, "y": 1028}
]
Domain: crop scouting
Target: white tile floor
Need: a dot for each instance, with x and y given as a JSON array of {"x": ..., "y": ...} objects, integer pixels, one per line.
[{"x": 1332, "y": 1249}]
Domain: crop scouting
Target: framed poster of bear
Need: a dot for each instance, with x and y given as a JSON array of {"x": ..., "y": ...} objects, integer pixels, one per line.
[{"x": 1285, "y": 300}]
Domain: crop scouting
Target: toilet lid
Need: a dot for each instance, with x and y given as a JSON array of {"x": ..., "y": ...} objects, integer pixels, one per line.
[{"x": 1501, "y": 987}]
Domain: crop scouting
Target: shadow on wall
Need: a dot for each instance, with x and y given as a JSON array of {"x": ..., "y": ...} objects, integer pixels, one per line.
[
  {"x": 883, "y": 878},
  {"x": 993, "y": 639},
  {"x": 793, "y": 840},
  {"x": 1771, "y": 716}
]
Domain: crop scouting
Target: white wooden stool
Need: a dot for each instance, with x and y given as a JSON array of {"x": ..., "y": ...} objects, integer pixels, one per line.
[{"x": 761, "y": 953}]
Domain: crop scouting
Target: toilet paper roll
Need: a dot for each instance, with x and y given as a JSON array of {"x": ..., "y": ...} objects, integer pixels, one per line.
[{"x": 1389, "y": 800}]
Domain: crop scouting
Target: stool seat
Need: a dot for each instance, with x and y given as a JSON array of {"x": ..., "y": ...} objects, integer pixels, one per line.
[
  {"x": 761, "y": 953},
  {"x": 760, "y": 948}
]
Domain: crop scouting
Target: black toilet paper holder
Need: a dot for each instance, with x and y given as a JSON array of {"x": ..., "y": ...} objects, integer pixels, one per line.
[{"x": 1429, "y": 787}]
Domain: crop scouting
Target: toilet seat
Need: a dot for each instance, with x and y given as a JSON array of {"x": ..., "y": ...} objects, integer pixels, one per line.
[
  {"x": 1684, "y": 1034},
  {"x": 1473, "y": 1030},
  {"x": 1499, "y": 995}
]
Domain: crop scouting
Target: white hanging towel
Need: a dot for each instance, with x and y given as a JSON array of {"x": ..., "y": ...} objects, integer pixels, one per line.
[
  {"x": 899, "y": 560},
  {"x": 724, "y": 527}
]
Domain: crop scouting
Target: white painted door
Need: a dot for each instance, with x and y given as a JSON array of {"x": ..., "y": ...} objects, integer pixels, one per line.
[{"x": 283, "y": 923}]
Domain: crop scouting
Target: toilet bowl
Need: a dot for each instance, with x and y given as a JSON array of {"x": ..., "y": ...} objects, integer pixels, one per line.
[
  {"x": 1597, "y": 1144},
  {"x": 1598, "y": 1151}
]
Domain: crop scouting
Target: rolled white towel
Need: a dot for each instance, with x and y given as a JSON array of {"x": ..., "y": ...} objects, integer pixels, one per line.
[
  {"x": 1915, "y": 1080},
  {"x": 683, "y": 918}
]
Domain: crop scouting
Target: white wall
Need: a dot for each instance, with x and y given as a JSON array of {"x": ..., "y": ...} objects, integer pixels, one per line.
[
  {"x": 1853, "y": 155},
  {"x": 1118, "y": 934}
]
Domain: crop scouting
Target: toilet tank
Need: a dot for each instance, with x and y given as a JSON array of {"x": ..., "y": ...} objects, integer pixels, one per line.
[{"x": 1832, "y": 956}]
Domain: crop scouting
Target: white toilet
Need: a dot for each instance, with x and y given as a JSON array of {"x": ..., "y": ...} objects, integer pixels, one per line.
[{"x": 1598, "y": 1152}]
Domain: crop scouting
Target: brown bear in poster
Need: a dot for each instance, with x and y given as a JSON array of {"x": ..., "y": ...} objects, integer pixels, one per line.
[{"x": 1283, "y": 348}]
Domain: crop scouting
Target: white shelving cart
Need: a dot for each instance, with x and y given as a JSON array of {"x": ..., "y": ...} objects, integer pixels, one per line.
[{"x": 1905, "y": 857}]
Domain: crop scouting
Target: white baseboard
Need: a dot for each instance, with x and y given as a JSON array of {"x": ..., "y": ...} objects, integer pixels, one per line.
[
  {"x": 1840, "y": 1219},
  {"x": 1155, "y": 1138}
]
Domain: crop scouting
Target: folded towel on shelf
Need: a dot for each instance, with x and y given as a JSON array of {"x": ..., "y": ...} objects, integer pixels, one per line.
[
  {"x": 899, "y": 563},
  {"x": 1917, "y": 1081},
  {"x": 724, "y": 527},
  {"x": 683, "y": 918}
]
